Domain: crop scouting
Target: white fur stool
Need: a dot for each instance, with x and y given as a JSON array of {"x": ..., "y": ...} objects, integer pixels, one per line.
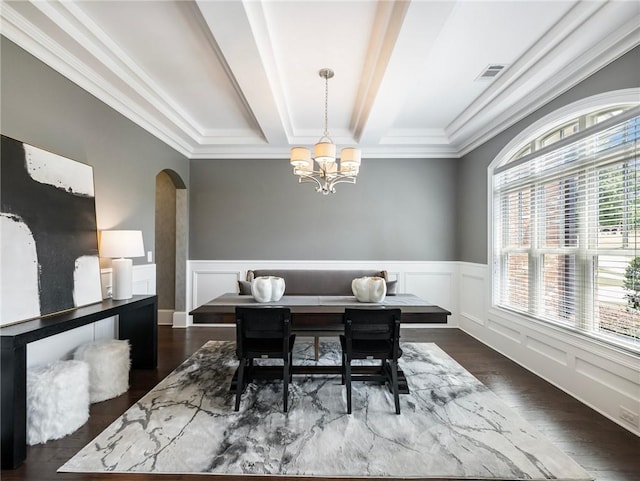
[
  {"x": 57, "y": 400},
  {"x": 108, "y": 367}
]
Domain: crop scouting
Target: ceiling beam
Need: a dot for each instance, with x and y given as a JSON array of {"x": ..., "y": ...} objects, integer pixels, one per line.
[
  {"x": 411, "y": 30},
  {"x": 238, "y": 33}
]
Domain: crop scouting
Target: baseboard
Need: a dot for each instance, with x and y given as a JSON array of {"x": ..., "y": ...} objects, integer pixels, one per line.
[{"x": 180, "y": 319}]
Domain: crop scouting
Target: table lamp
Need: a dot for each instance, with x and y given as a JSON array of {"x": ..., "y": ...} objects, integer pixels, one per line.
[{"x": 120, "y": 245}]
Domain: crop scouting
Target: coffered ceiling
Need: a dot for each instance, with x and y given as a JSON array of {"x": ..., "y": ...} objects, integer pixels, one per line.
[{"x": 239, "y": 79}]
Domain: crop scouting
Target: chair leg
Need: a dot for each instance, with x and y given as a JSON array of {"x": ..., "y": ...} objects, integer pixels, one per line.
[
  {"x": 316, "y": 347},
  {"x": 240, "y": 382},
  {"x": 290, "y": 367},
  {"x": 342, "y": 370},
  {"x": 285, "y": 384},
  {"x": 394, "y": 381},
  {"x": 347, "y": 370}
]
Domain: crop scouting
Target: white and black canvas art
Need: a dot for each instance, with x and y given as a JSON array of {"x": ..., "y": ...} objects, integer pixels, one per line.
[{"x": 48, "y": 236}]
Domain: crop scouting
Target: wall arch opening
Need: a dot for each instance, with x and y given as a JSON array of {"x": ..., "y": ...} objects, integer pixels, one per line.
[{"x": 170, "y": 245}]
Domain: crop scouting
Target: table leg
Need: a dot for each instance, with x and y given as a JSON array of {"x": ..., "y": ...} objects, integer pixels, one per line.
[
  {"x": 140, "y": 327},
  {"x": 14, "y": 407}
]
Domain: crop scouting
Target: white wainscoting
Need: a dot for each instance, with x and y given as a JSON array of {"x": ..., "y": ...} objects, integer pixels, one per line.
[
  {"x": 433, "y": 281},
  {"x": 603, "y": 377},
  {"x": 61, "y": 346},
  {"x": 144, "y": 280}
]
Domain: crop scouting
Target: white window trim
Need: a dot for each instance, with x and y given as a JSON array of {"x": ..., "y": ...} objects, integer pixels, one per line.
[{"x": 562, "y": 115}]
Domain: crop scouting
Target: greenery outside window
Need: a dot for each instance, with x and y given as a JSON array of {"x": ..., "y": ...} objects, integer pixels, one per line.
[{"x": 566, "y": 226}]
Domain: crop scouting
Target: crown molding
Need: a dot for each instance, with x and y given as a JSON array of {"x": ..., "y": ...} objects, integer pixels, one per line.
[
  {"x": 466, "y": 133},
  {"x": 34, "y": 40},
  {"x": 137, "y": 97},
  {"x": 225, "y": 152},
  {"x": 66, "y": 39}
]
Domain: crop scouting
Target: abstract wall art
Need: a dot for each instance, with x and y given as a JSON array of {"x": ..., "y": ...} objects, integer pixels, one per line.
[{"x": 48, "y": 233}]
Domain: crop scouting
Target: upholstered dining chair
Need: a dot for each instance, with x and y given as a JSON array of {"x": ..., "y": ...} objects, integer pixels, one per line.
[
  {"x": 372, "y": 334},
  {"x": 263, "y": 332}
]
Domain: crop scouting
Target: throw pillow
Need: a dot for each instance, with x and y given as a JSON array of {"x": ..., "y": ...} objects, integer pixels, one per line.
[
  {"x": 392, "y": 287},
  {"x": 244, "y": 288}
]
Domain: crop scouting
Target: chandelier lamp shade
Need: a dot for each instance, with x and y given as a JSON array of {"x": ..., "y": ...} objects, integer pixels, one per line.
[{"x": 324, "y": 169}]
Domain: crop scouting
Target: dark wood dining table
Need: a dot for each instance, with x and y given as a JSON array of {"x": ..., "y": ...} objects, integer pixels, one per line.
[
  {"x": 319, "y": 312},
  {"x": 313, "y": 314}
]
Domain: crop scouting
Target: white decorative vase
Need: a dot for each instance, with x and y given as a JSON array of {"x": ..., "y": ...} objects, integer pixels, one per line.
[
  {"x": 267, "y": 288},
  {"x": 369, "y": 289}
]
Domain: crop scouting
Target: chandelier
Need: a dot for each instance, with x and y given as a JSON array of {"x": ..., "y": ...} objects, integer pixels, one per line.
[{"x": 329, "y": 171}]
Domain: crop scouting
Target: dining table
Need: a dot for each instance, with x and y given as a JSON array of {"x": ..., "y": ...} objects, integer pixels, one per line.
[
  {"x": 320, "y": 311},
  {"x": 314, "y": 314}
]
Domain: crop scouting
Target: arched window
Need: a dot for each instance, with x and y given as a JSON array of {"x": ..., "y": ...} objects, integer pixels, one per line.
[{"x": 565, "y": 233}]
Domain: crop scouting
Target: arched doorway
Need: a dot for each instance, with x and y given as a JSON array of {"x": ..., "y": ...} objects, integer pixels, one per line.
[{"x": 171, "y": 246}]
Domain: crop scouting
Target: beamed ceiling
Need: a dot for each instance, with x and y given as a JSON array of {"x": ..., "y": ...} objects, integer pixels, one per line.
[{"x": 239, "y": 79}]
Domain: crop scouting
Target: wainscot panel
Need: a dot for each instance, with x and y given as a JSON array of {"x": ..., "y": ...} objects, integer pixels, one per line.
[
  {"x": 432, "y": 281},
  {"x": 601, "y": 376}
]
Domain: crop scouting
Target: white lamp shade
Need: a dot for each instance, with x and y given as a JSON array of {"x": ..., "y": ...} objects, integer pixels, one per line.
[
  {"x": 325, "y": 152},
  {"x": 121, "y": 243},
  {"x": 350, "y": 157},
  {"x": 301, "y": 161},
  {"x": 300, "y": 156},
  {"x": 350, "y": 161}
]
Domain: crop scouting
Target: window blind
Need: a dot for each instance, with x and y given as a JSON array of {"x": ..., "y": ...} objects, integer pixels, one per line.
[{"x": 567, "y": 229}]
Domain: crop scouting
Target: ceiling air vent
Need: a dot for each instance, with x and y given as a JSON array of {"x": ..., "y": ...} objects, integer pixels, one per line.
[{"x": 492, "y": 71}]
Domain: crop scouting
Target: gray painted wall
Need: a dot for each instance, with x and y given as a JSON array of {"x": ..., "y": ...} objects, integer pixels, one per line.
[
  {"x": 401, "y": 209},
  {"x": 255, "y": 209},
  {"x": 44, "y": 109},
  {"x": 472, "y": 177}
]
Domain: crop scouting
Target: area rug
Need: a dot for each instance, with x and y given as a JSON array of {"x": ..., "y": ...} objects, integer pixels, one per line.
[{"x": 451, "y": 426}]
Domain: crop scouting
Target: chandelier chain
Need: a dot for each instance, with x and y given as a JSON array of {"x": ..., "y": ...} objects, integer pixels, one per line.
[{"x": 326, "y": 106}]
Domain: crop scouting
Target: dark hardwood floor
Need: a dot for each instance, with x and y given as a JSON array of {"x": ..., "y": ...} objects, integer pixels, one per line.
[{"x": 604, "y": 449}]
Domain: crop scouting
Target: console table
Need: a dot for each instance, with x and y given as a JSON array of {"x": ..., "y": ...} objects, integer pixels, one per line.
[{"x": 137, "y": 322}]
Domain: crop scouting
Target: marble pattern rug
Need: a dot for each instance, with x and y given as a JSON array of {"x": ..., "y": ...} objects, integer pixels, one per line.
[{"x": 451, "y": 426}]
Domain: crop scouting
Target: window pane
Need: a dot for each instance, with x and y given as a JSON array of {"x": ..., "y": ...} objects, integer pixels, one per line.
[
  {"x": 607, "y": 114},
  {"x": 516, "y": 288},
  {"x": 516, "y": 218},
  {"x": 617, "y": 297},
  {"x": 559, "y": 134},
  {"x": 619, "y": 206},
  {"x": 551, "y": 138},
  {"x": 526, "y": 151},
  {"x": 561, "y": 212},
  {"x": 559, "y": 288}
]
